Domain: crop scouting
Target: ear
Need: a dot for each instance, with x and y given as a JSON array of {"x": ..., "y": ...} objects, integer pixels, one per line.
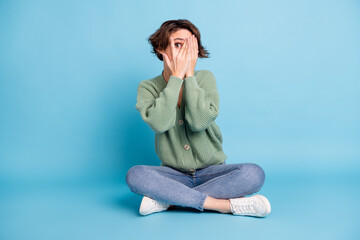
[{"x": 159, "y": 51}]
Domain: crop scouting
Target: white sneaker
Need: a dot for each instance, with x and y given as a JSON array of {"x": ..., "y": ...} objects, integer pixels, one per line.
[
  {"x": 149, "y": 205},
  {"x": 257, "y": 205}
]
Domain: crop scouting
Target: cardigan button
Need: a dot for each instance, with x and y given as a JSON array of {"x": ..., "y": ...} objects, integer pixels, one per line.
[
  {"x": 187, "y": 147},
  {"x": 181, "y": 122}
]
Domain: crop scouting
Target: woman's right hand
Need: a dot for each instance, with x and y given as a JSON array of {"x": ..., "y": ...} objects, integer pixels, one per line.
[{"x": 180, "y": 62}]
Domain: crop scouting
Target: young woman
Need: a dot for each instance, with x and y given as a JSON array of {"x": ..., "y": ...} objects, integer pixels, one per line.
[{"x": 181, "y": 105}]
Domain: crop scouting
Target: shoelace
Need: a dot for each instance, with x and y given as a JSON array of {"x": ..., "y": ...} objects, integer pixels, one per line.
[
  {"x": 245, "y": 206},
  {"x": 155, "y": 203}
]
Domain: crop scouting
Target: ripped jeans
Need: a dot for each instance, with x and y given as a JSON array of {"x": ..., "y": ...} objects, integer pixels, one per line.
[{"x": 168, "y": 185}]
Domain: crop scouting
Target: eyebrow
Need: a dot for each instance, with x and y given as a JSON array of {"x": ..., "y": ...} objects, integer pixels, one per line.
[{"x": 179, "y": 38}]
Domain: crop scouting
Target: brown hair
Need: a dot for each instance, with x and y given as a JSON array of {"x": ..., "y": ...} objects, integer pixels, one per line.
[{"x": 161, "y": 38}]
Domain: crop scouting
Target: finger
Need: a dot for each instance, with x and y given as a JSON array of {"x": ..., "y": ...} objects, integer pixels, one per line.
[
  {"x": 190, "y": 48},
  {"x": 165, "y": 57},
  {"x": 181, "y": 49},
  {"x": 192, "y": 53},
  {"x": 193, "y": 46},
  {"x": 167, "y": 60},
  {"x": 172, "y": 46},
  {"x": 196, "y": 46},
  {"x": 184, "y": 48},
  {"x": 189, "y": 53}
]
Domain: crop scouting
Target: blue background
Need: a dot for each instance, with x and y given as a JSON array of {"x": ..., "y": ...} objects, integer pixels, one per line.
[{"x": 288, "y": 76}]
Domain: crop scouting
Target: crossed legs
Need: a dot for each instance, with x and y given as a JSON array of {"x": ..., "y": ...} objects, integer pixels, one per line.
[{"x": 168, "y": 185}]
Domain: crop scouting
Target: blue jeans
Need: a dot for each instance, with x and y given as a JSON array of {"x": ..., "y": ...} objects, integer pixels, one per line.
[{"x": 174, "y": 187}]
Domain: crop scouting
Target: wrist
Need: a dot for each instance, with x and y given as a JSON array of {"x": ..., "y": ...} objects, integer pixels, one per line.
[
  {"x": 189, "y": 74},
  {"x": 178, "y": 75}
]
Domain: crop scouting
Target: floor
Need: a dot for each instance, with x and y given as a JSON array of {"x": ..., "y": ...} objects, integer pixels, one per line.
[{"x": 304, "y": 206}]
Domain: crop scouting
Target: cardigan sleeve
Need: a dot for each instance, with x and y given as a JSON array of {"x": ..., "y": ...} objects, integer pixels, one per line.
[
  {"x": 202, "y": 101},
  {"x": 159, "y": 112}
]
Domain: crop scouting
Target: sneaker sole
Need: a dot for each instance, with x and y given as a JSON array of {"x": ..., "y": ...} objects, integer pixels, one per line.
[
  {"x": 266, "y": 202},
  {"x": 142, "y": 207},
  {"x": 142, "y": 204}
]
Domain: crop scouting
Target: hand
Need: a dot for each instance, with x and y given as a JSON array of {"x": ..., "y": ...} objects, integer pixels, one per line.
[
  {"x": 193, "y": 55},
  {"x": 180, "y": 63}
]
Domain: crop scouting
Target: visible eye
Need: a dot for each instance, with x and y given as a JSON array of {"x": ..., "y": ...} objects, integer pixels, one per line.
[{"x": 177, "y": 44}]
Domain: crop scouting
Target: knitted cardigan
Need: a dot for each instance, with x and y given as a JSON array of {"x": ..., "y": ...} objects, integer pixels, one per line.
[{"x": 186, "y": 138}]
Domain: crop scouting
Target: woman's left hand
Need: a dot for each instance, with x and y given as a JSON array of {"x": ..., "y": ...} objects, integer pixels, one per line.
[{"x": 193, "y": 51}]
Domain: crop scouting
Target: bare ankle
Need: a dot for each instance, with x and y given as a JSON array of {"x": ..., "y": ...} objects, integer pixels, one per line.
[{"x": 220, "y": 205}]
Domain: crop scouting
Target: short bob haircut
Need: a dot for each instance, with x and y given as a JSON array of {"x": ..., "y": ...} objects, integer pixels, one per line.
[{"x": 161, "y": 38}]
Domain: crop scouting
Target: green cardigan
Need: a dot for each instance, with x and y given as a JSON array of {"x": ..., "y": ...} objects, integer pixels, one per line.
[{"x": 186, "y": 138}]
